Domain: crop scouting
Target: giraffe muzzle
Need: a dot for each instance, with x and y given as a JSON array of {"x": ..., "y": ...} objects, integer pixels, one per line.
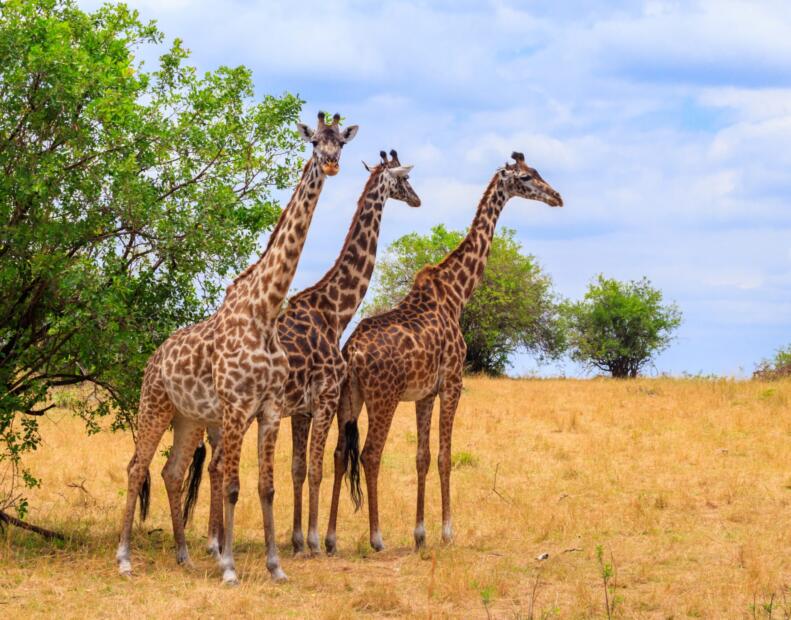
[{"x": 330, "y": 168}]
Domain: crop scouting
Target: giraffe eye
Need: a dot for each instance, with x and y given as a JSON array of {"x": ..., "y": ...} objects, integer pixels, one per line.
[{"x": 526, "y": 177}]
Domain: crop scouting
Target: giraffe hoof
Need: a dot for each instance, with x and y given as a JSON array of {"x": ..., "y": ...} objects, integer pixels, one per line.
[
  {"x": 376, "y": 542},
  {"x": 183, "y": 559},
  {"x": 278, "y": 576},
  {"x": 420, "y": 537},
  {"x": 214, "y": 549},
  {"x": 330, "y": 545},
  {"x": 297, "y": 542},
  {"x": 229, "y": 577},
  {"x": 125, "y": 568}
]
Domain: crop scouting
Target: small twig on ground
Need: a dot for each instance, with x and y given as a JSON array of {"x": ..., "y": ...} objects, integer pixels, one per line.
[
  {"x": 494, "y": 486},
  {"x": 48, "y": 534},
  {"x": 571, "y": 549},
  {"x": 80, "y": 486}
]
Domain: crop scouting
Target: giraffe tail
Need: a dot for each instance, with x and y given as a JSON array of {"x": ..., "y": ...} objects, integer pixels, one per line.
[
  {"x": 192, "y": 484},
  {"x": 350, "y": 411},
  {"x": 351, "y": 461},
  {"x": 145, "y": 496}
]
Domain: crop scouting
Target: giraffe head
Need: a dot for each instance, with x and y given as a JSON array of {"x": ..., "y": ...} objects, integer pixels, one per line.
[
  {"x": 519, "y": 179},
  {"x": 327, "y": 141},
  {"x": 395, "y": 178}
]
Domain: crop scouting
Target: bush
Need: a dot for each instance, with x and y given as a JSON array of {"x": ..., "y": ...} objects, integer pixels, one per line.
[
  {"x": 776, "y": 368},
  {"x": 619, "y": 327}
]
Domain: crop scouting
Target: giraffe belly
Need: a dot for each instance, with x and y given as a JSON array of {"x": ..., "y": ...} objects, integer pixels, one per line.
[
  {"x": 201, "y": 403},
  {"x": 421, "y": 389},
  {"x": 416, "y": 394}
]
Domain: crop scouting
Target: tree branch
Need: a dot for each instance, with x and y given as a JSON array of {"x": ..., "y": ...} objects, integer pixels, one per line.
[
  {"x": 48, "y": 534},
  {"x": 194, "y": 179}
]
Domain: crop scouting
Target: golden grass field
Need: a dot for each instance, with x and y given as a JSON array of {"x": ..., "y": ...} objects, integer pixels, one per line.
[{"x": 685, "y": 483}]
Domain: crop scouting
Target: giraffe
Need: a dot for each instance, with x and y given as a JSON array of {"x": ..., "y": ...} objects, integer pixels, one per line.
[
  {"x": 310, "y": 330},
  {"x": 415, "y": 352},
  {"x": 229, "y": 369}
]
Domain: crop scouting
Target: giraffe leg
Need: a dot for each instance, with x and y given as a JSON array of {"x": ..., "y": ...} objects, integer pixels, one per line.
[
  {"x": 423, "y": 409},
  {"x": 449, "y": 400},
  {"x": 349, "y": 407},
  {"x": 215, "y": 504},
  {"x": 300, "y": 428},
  {"x": 268, "y": 425},
  {"x": 234, "y": 424},
  {"x": 155, "y": 414},
  {"x": 328, "y": 405},
  {"x": 380, "y": 415},
  {"x": 186, "y": 437}
]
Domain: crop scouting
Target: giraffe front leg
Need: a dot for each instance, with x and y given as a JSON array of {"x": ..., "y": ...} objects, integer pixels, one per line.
[
  {"x": 423, "y": 410},
  {"x": 327, "y": 406},
  {"x": 300, "y": 428},
  {"x": 268, "y": 426},
  {"x": 449, "y": 400},
  {"x": 234, "y": 424},
  {"x": 214, "y": 540}
]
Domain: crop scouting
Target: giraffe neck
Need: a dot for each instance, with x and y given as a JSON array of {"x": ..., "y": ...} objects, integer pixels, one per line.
[
  {"x": 462, "y": 270},
  {"x": 343, "y": 287},
  {"x": 273, "y": 273}
]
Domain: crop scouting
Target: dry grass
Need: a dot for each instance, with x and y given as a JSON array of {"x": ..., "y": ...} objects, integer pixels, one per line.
[{"x": 685, "y": 483}]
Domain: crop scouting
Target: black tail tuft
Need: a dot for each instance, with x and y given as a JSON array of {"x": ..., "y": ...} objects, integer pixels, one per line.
[
  {"x": 192, "y": 484},
  {"x": 351, "y": 461},
  {"x": 145, "y": 496}
]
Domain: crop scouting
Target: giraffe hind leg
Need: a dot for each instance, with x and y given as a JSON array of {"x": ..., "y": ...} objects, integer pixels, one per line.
[
  {"x": 346, "y": 457},
  {"x": 380, "y": 415},
  {"x": 154, "y": 417},
  {"x": 300, "y": 428},
  {"x": 328, "y": 404},
  {"x": 186, "y": 437}
]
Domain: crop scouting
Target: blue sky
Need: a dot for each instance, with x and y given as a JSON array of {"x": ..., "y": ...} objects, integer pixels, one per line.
[{"x": 665, "y": 125}]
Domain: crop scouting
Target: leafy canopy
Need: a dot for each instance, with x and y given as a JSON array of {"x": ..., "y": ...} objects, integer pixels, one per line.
[
  {"x": 513, "y": 307},
  {"x": 619, "y": 327},
  {"x": 126, "y": 196}
]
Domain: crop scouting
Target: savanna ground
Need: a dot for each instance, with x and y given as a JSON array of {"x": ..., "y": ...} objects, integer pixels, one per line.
[{"x": 684, "y": 483}]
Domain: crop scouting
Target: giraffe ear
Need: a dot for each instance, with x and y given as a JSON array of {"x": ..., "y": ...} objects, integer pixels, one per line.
[
  {"x": 367, "y": 167},
  {"x": 305, "y": 132},
  {"x": 400, "y": 171},
  {"x": 347, "y": 135}
]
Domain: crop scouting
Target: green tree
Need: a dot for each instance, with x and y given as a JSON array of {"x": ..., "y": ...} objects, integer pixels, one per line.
[
  {"x": 126, "y": 196},
  {"x": 619, "y": 327},
  {"x": 512, "y": 309}
]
